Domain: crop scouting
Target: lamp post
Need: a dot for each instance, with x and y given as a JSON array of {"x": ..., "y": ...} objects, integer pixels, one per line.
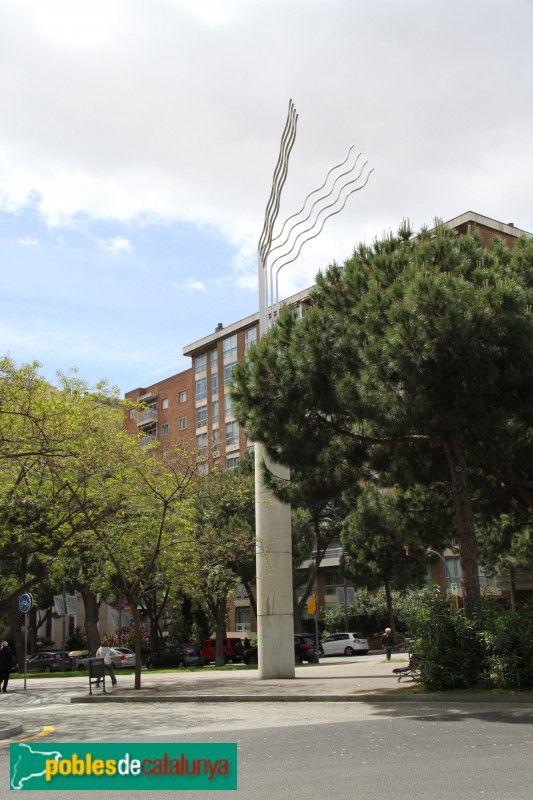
[
  {"x": 275, "y": 620},
  {"x": 447, "y": 573}
]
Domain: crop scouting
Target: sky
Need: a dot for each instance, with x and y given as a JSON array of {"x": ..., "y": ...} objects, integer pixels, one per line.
[{"x": 138, "y": 142}]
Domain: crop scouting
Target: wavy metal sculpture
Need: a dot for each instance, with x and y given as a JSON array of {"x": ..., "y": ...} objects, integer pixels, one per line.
[{"x": 305, "y": 224}]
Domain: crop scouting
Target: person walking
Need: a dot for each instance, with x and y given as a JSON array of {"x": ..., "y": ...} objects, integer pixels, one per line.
[
  {"x": 388, "y": 640},
  {"x": 6, "y": 662},
  {"x": 104, "y": 651}
]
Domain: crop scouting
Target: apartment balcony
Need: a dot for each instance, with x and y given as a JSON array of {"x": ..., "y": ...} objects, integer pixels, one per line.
[
  {"x": 332, "y": 558},
  {"x": 148, "y": 440},
  {"x": 148, "y": 417}
]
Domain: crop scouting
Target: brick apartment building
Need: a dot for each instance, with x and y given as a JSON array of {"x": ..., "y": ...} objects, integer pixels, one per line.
[{"x": 194, "y": 407}]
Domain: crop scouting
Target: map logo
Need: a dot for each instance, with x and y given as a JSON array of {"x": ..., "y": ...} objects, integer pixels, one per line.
[{"x": 165, "y": 765}]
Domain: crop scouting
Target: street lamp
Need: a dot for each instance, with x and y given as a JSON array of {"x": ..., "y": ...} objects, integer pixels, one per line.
[
  {"x": 275, "y": 621},
  {"x": 448, "y": 575}
]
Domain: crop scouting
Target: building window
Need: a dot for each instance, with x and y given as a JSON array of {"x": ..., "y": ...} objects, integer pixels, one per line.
[
  {"x": 201, "y": 389},
  {"x": 216, "y": 440},
  {"x": 228, "y": 369},
  {"x": 232, "y": 460},
  {"x": 164, "y": 403},
  {"x": 214, "y": 383},
  {"x": 133, "y": 413},
  {"x": 214, "y": 359},
  {"x": 228, "y": 409},
  {"x": 453, "y": 568},
  {"x": 232, "y": 434},
  {"x": 332, "y": 579},
  {"x": 183, "y": 397},
  {"x": 201, "y": 441},
  {"x": 201, "y": 416},
  {"x": 250, "y": 337},
  {"x": 242, "y": 619},
  {"x": 229, "y": 346},
  {"x": 164, "y": 429},
  {"x": 200, "y": 363},
  {"x": 183, "y": 423},
  {"x": 214, "y": 412}
]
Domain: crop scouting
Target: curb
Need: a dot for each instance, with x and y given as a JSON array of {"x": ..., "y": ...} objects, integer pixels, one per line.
[
  {"x": 306, "y": 698},
  {"x": 10, "y": 729}
]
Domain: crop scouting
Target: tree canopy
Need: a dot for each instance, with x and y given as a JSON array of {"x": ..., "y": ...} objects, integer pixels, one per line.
[{"x": 414, "y": 361}]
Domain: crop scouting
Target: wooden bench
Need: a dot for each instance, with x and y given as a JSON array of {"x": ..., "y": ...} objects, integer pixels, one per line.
[{"x": 411, "y": 670}]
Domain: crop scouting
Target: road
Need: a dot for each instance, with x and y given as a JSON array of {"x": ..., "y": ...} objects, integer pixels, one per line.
[{"x": 326, "y": 750}]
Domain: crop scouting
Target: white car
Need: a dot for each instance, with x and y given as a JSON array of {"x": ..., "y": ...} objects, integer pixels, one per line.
[
  {"x": 121, "y": 658},
  {"x": 344, "y": 644}
]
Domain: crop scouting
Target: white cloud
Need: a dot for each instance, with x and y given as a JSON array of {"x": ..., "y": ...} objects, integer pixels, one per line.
[
  {"x": 175, "y": 109},
  {"x": 209, "y": 12},
  {"x": 115, "y": 245},
  {"x": 194, "y": 285},
  {"x": 28, "y": 241}
]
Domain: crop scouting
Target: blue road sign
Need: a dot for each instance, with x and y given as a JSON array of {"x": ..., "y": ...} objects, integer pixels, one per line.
[{"x": 25, "y": 602}]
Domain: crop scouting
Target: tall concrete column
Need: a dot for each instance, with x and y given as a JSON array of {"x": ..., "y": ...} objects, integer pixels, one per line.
[
  {"x": 275, "y": 621},
  {"x": 275, "y": 624}
]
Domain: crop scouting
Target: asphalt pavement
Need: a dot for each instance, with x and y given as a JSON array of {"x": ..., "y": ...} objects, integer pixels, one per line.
[{"x": 358, "y": 679}]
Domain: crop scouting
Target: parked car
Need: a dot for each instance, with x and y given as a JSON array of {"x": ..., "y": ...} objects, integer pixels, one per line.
[
  {"x": 121, "y": 658},
  {"x": 232, "y": 649},
  {"x": 344, "y": 644},
  {"x": 178, "y": 655},
  {"x": 305, "y": 649},
  {"x": 49, "y": 661}
]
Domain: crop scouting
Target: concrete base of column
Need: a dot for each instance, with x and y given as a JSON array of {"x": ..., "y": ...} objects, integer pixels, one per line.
[
  {"x": 275, "y": 618},
  {"x": 276, "y": 660}
]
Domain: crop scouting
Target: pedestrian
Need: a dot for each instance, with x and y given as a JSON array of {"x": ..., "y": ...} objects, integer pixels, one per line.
[
  {"x": 246, "y": 643},
  {"x": 237, "y": 649},
  {"x": 388, "y": 640},
  {"x": 104, "y": 651},
  {"x": 6, "y": 663}
]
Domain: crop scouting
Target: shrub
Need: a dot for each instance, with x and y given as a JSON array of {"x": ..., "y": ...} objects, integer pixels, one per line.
[
  {"x": 509, "y": 637},
  {"x": 451, "y": 648}
]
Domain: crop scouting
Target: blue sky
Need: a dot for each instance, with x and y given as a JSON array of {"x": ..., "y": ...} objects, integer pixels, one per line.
[{"x": 139, "y": 138}]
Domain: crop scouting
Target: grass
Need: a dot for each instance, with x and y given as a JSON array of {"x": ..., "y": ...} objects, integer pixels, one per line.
[{"x": 174, "y": 671}]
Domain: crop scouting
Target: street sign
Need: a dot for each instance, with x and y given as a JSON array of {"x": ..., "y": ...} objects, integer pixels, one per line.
[
  {"x": 25, "y": 602},
  {"x": 454, "y": 588}
]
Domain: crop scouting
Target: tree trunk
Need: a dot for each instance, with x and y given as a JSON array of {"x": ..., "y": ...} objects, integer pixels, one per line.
[
  {"x": 465, "y": 526},
  {"x": 32, "y": 629},
  {"x": 14, "y": 618},
  {"x": 512, "y": 588},
  {"x": 390, "y": 609},
  {"x": 251, "y": 597},
  {"x": 220, "y": 631},
  {"x": 137, "y": 628},
  {"x": 92, "y": 615},
  {"x": 298, "y": 622}
]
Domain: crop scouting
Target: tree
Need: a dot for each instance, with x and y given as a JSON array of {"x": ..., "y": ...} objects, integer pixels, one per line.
[
  {"x": 225, "y": 539},
  {"x": 379, "y": 548},
  {"x": 139, "y": 516},
  {"x": 424, "y": 345}
]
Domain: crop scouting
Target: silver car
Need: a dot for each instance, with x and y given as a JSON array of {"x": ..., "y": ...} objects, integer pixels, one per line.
[
  {"x": 121, "y": 658},
  {"x": 344, "y": 644}
]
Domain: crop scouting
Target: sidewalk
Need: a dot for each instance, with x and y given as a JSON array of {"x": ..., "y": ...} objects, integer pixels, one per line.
[{"x": 365, "y": 678}]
